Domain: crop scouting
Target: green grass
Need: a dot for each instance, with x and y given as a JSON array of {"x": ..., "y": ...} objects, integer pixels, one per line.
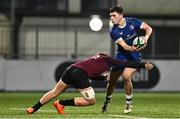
[{"x": 146, "y": 105}]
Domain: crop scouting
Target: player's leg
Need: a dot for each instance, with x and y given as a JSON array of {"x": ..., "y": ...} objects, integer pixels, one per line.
[
  {"x": 127, "y": 76},
  {"x": 79, "y": 80},
  {"x": 114, "y": 75},
  {"x": 58, "y": 89},
  {"x": 61, "y": 86}
]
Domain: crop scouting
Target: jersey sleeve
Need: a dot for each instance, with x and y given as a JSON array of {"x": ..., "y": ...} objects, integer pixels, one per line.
[
  {"x": 115, "y": 35},
  {"x": 137, "y": 22}
]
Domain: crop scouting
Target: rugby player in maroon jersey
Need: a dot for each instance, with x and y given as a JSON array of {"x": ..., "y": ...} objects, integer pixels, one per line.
[{"x": 78, "y": 75}]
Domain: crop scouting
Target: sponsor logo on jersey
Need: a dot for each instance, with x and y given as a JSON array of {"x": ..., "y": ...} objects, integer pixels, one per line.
[
  {"x": 130, "y": 36},
  {"x": 131, "y": 27}
]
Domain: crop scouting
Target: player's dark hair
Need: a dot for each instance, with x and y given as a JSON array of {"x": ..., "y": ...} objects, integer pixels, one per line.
[{"x": 117, "y": 9}]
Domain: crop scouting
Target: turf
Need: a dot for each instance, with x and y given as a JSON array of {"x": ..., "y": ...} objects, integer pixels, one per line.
[{"x": 146, "y": 105}]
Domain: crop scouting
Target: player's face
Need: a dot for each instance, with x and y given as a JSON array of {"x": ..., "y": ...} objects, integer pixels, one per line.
[{"x": 115, "y": 17}]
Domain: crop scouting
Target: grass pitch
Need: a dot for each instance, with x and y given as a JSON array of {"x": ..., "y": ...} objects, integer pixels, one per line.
[{"x": 145, "y": 106}]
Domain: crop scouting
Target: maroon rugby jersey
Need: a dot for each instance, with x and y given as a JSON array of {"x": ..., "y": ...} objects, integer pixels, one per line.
[{"x": 96, "y": 65}]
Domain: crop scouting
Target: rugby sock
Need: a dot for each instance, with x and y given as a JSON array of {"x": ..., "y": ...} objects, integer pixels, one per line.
[
  {"x": 108, "y": 98},
  {"x": 69, "y": 102},
  {"x": 106, "y": 102},
  {"x": 37, "y": 106},
  {"x": 129, "y": 99}
]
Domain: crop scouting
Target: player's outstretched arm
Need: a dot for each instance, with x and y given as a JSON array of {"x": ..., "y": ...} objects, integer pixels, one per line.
[
  {"x": 148, "y": 65},
  {"x": 133, "y": 64}
]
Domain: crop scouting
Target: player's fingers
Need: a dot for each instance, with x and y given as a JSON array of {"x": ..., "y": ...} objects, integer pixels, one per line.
[
  {"x": 134, "y": 48},
  {"x": 138, "y": 49},
  {"x": 141, "y": 48},
  {"x": 149, "y": 65}
]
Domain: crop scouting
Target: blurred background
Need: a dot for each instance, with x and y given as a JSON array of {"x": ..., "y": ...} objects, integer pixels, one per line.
[{"x": 40, "y": 38}]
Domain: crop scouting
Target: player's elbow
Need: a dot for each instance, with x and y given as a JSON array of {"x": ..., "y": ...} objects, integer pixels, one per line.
[{"x": 150, "y": 29}]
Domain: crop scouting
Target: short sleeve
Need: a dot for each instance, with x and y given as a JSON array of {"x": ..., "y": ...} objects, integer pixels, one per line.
[
  {"x": 137, "y": 22},
  {"x": 115, "y": 35}
]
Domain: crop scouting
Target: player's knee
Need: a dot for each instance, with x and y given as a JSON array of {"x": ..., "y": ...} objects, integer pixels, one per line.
[
  {"x": 91, "y": 101},
  {"x": 89, "y": 95},
  {"x": 126, "y": 76}
]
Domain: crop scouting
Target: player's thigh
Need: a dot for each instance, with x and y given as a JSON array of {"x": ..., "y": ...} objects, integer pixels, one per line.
[{"x": 128, "y": 73}]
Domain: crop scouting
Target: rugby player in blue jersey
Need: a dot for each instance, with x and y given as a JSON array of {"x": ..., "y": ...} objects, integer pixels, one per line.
[{"x": 123, "y": 33}]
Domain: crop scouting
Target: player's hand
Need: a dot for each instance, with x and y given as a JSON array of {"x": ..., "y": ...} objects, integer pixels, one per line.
[
  {"x": 106, "y": 75},
  {"x": 134, "y": 48},
  {"x": 141, "y": 48},
  {"x": 148, "y": 65}
]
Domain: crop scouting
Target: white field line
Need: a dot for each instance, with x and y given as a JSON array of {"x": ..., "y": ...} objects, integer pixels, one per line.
[
  {"x": 135, "y": 117},
  {"x": 97, "y": 116}
]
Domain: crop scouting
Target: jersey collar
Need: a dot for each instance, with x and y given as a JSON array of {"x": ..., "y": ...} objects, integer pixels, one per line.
[{"x": 123, "y": 25}]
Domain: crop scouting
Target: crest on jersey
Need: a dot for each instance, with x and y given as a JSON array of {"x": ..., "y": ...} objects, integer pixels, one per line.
[{"x": 131, "y": 27}]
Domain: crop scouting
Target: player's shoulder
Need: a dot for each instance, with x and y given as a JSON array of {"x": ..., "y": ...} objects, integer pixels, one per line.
[{"x": 114, "y": 28}]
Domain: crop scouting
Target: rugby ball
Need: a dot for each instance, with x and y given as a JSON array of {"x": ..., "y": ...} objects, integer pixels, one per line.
[{"x": 138, "y": 42}]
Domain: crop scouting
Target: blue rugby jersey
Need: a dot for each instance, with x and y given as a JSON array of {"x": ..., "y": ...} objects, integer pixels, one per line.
[{"x": 127, "y": 33}]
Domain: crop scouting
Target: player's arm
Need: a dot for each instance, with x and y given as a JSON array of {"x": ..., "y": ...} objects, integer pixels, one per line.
[
  {"x": 147, "y": 29},
  {"x": 142, "y": 25},
  {"x": 102, "y": 77},
  {"x": 126, "y": 47},
  {"x": 99, "y": 78},
  {"x": 133, "y": 64},
  {"x": 119, "y": 41}
]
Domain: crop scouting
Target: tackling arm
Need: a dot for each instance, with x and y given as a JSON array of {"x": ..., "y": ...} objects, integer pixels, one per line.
[{"x": 133, "y": 64}]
